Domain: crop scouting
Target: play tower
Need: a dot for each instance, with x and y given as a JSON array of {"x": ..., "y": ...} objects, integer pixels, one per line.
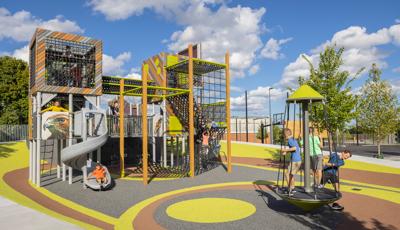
[
  {"x": 187, "y": 97},
  {"x": 66, "y": 68}
]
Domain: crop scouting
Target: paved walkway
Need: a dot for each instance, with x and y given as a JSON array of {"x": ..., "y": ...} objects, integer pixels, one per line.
[{"x": 15, "y": 216}]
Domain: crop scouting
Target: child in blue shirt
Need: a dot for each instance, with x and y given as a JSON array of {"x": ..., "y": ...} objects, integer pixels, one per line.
[
  {"x": 295, "y": 158},
  {"x": 331, "y": 168}
]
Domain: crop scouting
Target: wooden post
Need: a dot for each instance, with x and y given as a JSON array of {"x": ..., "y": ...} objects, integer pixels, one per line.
[
  {"x": 228, "y": 112},
  {"x": 145, "y": 69},
  {"x": 191, "y": 111},
  {"x": 121, "y": 128}
]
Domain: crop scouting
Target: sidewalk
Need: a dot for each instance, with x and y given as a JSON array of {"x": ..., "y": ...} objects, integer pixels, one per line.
[
  {"x": 15, "y": 216},
  {"x": 385, "y": 162}
]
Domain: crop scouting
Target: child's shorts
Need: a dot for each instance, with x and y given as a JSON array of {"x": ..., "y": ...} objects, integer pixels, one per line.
[
  {"x": 330, "y": 177},
  {"x": 316, "y": 162},
  {"x": 294, "y": 167}
]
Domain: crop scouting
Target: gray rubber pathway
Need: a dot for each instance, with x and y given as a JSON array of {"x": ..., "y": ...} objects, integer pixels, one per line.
[
  {"x": 15, "y": 216},
  {"x": 127, "y": 193},
  {"x": 272, "y": 213}
]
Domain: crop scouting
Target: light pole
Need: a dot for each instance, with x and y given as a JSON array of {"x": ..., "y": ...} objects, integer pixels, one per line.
[
  {"x": 247, "y": 122},
  {"x": 271, "y": 131}
]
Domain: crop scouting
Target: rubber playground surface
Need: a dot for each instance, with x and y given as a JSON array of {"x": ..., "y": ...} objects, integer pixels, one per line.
[{"x": 215, "y": 199}]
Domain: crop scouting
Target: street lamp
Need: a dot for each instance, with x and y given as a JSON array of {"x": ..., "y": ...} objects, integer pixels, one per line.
[{"x": 271, "y": 131}]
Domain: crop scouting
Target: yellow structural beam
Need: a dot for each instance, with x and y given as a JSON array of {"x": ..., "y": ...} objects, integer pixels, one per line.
[
  {"x": 121, "y": 128},
  {"x": 145, "y": 69},
  {"x": 228, "y": 112}
]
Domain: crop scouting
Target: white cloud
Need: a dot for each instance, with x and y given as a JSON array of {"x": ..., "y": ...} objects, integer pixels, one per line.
[
  {"x": 123, "y": 9},
  {"x": 272, "y": 48},
  {"x": 115, "y": 66},
  {"x": 395, "y": 86},
  {"x": 236, "y": 29},
  {"x": 210, "y": 22},
  {"x": 396, "y": 70},
  {"x": 356, "y": 91},
  {"x": 254, "y": 69},
  {"x": 361, "y": 50},
  {"x": 21, "y": 53},
  {"x": 397, "y": 21},
  {"x": 135, "y": 74},
  {"x": 257, "y": 99},
  {"x": 299, "y": 67},
  {"x": 21, "y": 25}
]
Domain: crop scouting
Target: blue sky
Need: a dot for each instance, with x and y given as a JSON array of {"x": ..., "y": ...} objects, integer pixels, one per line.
[{"x": 265, "y": 38}]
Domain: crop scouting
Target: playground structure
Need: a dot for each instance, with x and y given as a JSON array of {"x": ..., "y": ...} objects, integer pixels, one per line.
[{"x": 192, "y": 94}]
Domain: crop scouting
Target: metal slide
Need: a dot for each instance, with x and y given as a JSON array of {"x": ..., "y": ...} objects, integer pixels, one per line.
[{"x": 91, "y": 126}]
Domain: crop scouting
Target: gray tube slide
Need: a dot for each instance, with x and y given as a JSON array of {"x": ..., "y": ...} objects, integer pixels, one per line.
[
  {"x": 70, "y": 154},
  {"x": 75, "y": 155}
]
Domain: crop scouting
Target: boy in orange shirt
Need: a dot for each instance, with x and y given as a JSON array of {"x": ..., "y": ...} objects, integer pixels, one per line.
[{"x": 100, "y": 174}]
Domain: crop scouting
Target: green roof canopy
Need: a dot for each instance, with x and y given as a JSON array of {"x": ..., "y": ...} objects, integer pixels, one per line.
[{"x": 305, "y": 93}]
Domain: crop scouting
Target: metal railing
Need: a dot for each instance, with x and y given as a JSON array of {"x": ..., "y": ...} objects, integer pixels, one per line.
[
  {"x": 132, "y": 125},
  {"x": 13, "y": 132}
]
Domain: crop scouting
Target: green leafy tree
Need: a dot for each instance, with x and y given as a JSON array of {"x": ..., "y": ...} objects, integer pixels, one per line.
[
  {"x": 278, "y": 135},
  {"x": 14, "y": 77},
  {"x": 259, "y": 136},
  {"x": 378, "y": 107},
  {"x": 334, "y": 84}
]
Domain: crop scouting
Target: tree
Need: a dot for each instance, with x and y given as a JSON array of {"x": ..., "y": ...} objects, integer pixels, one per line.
[
  {"x": 378, "y": 107},
  {"x": 334, "y": 84},
  {"x": 278, "y": 135},
  {"x": 259, "y": 136},
  {"x": 14, "y": 77}
]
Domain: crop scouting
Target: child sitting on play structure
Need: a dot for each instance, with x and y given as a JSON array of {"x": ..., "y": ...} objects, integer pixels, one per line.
[
  {"x": 56, "y": 107},
  {"x": 331, "y": 168},
  {"x": 100, "y": 174},
  {"x": 295, "y": 159}
]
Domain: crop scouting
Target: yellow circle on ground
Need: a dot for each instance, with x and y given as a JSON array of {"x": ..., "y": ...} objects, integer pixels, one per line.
[{"x": 211, "y": 210}]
